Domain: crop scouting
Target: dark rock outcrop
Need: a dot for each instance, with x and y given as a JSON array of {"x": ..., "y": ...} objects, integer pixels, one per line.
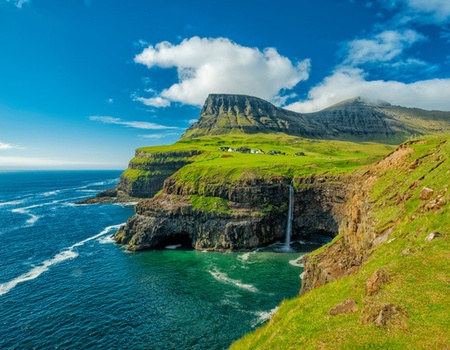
[{"x": 256, "y": 214}]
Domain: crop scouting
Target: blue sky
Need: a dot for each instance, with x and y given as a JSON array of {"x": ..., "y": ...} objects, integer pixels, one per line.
[{"x": 85, "y": 82}]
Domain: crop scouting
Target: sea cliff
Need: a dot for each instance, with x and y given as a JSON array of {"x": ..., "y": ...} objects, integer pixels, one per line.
[{"x": 233, "y": 216}]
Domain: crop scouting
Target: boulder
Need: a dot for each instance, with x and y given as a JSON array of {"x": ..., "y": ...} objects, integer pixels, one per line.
[
  {"x": 426, "y": 193},
  {"x": 346, "y": 307},
  {"x": 432, "y": 236},
  {"x": 383, "y": 315},
  {"x": 376, "y": 281}
]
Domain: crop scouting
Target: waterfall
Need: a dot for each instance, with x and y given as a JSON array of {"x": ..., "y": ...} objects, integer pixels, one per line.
[{"x": 287, "y": 242}]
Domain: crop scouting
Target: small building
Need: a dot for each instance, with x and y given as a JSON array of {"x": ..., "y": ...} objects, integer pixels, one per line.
[{"x": 243, "y": 149}]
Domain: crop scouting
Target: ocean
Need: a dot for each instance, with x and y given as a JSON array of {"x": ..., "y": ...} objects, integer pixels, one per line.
[{"x": 65, "y": 284}]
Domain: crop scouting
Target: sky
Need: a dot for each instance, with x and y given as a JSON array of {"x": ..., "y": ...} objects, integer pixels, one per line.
[{"x": 83, "y": 83}]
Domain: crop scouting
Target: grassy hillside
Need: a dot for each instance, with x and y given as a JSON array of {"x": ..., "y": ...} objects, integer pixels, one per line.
[
  {"x": 410, "y": 201},
  {"x": 314, "y": 156}
]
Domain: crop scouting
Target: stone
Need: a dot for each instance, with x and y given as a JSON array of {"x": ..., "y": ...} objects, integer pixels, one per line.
[
  {"x": 426, "y": 193},
  {"x": 406, "y": 252},
  {"x": 346, "y": 307},
  {"x": 376, "y": 281},
  {"x": 383, "y": 315},
  {"x": 432, "y": 236}
]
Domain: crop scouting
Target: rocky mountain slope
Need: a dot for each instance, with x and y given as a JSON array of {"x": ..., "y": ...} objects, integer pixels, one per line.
[{"x": 354, "y": 119}]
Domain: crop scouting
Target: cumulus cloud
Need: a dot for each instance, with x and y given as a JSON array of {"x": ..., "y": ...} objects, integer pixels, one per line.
[
  {"x": 132, "y": 124},
  {"x": 384, "y": 54},
  {"x": 383, "y": 47},
  {"x": 206, "y": 65},
  {"x": 350, "y": 82}
]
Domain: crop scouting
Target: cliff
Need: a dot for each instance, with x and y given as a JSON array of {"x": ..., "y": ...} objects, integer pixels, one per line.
[
  {"x": 383, "y": 281},
  {"x": 232, "y": 216}
]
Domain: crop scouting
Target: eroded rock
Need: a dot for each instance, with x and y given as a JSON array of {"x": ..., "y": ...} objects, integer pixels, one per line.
[
  {"x": 426, "y": 193},
  {"x": 376, "y": 281},
  {"x": 432, "y": 236},
  {"x": 346, "y": 307},
  {"x": 381, "y": 316}
]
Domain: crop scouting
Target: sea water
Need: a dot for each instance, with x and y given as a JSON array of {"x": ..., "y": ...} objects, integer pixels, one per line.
[{"x": 65, "y": 284}]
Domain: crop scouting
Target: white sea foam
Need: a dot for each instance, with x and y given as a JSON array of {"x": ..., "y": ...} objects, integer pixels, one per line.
[
  {"x": 51, "y": 193},
  {"x": 102, "y": 183},
  {"x": 33, "y": 218},
  {"x": 126, "y": 204},
  {"x": 223, "y": 277},
  {"x": 244, "y": 257},
  {"x": 66, "y": 254},
  {"x": 4, "y": 204},
  {"x": 173, "y": 247},
  {"x": 264, "y": 316},
  {"x": 297, "y": 262},
  {"x": 106, "y": 240}
]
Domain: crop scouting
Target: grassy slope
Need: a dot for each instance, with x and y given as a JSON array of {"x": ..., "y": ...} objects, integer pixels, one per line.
[
  {"x": 331, "y": 157},
  {"x": 420, "y": 278}
]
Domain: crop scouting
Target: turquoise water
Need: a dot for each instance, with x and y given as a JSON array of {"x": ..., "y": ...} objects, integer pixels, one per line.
[{"x": 64, "y": 283}]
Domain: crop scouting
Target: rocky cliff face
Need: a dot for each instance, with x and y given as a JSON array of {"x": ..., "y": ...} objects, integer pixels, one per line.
[
  {"x": 352, "y": 119},
  {"x": 147, "y": 172},
  {"x": 243, "y": 215},
  {"x": 357, "y": 232}
]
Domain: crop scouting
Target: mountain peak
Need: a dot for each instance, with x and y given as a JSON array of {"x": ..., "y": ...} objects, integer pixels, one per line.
[
  {"x": 354, "y": 119},
  {"x": 234, "y": 104}
]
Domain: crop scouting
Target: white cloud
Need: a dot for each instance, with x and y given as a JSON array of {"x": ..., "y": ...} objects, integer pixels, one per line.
[
  {"x": 4, "y": 146},
  {"x": 219, "y": 65},
  {"x": 422, "y": 11},
  {"x": 154, "y": 101},
  {"x": 350, "y": 82},
  {"x": 439, "y": 10},
  {"x": 19, "y": 3},
  {"x": 132, "y": 124},
  {"x": 383, "y": 47},
  {"x": 158, "y": 136}
]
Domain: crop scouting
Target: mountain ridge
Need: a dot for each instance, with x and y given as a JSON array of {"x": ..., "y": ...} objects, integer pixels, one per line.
[{"x": 354, "y": 119}]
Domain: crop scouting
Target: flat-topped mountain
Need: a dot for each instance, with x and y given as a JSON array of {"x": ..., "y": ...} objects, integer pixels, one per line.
[{"x": 354, "y": 119}]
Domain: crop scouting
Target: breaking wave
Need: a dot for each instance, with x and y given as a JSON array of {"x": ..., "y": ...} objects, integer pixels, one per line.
[
  {"x": 16, "y": 202},
  {"x": 297, "y": 262},
  {"x": 223, "y": 277},
  {"x": 264, "y": 316},
  {"x": 66, "y": 254}
]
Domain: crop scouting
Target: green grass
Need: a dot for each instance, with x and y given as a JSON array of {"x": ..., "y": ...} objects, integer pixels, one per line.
[
  {"x": 214, "y": 166},
  {"x": 420, "y": 283},
  {"x": 211, "y": 204}
]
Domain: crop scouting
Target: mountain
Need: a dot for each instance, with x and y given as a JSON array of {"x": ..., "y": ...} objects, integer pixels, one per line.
[{"x": 354, "y": 119}]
